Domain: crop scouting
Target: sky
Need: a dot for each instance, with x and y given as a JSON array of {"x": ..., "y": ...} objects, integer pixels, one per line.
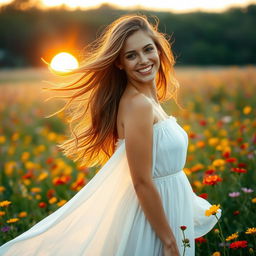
[{"x": 165, "y": 5}]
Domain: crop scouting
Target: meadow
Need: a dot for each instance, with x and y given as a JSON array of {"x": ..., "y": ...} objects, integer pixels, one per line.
[{"x": 218, "y": 115}]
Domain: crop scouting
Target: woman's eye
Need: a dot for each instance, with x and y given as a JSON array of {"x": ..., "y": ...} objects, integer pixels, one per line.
[
  {"x": 149, "y": 49},
  {"x": 130, "y": 56}
]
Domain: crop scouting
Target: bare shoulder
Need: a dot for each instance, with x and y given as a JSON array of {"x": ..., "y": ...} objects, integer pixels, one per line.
[{"x": 137, "y": 111}]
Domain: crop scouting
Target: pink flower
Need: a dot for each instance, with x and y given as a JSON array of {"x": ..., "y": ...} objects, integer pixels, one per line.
[{"x": 234, "y": 194}]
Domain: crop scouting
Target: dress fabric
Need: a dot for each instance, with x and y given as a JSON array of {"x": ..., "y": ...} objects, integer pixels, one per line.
[{"x": 105, "y": 217}]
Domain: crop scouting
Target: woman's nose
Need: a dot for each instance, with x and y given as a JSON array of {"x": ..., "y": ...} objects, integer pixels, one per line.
[{"x": 142, "y": 58}]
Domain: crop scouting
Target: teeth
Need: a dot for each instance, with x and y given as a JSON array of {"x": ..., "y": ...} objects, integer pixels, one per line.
[{"x": 145, "y": 69}]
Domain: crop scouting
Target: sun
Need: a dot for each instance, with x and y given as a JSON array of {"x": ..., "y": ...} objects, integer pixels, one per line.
[{"x": 63, "y": 62}]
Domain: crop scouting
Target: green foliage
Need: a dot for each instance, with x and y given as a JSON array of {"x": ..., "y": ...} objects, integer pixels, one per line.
[{"x": 198, "y": 38}]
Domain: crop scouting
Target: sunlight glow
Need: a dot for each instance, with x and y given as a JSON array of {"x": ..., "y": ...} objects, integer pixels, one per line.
[
  {"x": 178, "y": 6},
  {"x": 63, "y": 62}
]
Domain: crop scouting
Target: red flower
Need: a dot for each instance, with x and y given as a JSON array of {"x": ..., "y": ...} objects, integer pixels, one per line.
[
  {"x": 238, "y": 170},
  {"x": 192, "y": 135},
  {"x": 210, "y": 172},
  {"x": 200, "y": 240},
  {"x": 212, "y": 179},
  {"x": 50, "y": 193},
  {"x": 236, "y": 213},
  {"x": 28, "y": 175},
  {"x": 183, "y": 227},
  {"x": 238, "y": 244},
  {"x": 226, "y": 154},
  {"x": 204, "y": 195},
  {"x": 231, "y": 160},
  {"x": 202, "y": 123},
  {"x": 241, "y": 165},
  {"x": 49, "y": 160},
  {"x": 42, "y": 204}
]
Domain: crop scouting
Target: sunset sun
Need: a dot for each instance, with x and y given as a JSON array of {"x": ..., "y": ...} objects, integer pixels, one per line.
[{"x": 64, "y": 62}]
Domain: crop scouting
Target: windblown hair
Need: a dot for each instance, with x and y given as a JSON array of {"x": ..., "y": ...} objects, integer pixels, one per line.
[{"x": 101, "y": 86}]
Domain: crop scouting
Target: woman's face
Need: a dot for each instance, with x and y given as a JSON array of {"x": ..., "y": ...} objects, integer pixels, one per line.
[{"x": 139, "y": 58}]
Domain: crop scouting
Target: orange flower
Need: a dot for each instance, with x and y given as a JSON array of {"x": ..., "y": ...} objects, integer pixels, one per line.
[{"x": 212, "y": 179}]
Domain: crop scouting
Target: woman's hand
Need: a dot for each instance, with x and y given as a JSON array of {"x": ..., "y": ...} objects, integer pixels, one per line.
[{"x": 171, "y": 250}]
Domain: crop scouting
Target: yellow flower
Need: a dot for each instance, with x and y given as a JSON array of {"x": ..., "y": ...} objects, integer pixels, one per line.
[
  {"x": 35, "y": 190},
  {"x": 213, "y": 141},
  {"x": 218, "y": 162},
  {"x": 12, "y": 220},
  {"x": 62, "y": 202},
  {"x": 22, "y": 214},
  {"x": 247, "y": 110},
  {"x": 25, "y": 156},
  {"x": 53, "y": 200},
  {"x": 191, "y": 148},
  {"x": 42, "y": 176},
  {"x": 2, "y": 188},
  {"x": 2, "y": 213},
  {"x": 2, "y": 139},
  {"x": 254, "y": 200},
  {"x": 212, "y": 210},
  {"x": 216, "y": 254},
  {"x": 5, "y": 203},
  {"x": 15, "y": 136},
  {"x": 250, "y": 231},
  {"x": 232, "y": 237},
  {"x": 9, "y": 167}
]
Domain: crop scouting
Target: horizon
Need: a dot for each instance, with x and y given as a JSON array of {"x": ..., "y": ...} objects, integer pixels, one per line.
[{"x": 175, "y": 7}]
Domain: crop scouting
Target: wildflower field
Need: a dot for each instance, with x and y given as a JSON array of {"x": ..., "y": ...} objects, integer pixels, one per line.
[{"x": 219, "y": 117}]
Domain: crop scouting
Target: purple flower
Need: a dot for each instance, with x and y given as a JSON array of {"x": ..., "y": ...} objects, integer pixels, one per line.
[
  {"x": 5, "y": 229},
  {"x": 234, "y": 194},
  {"x": 247, "y": 190}
]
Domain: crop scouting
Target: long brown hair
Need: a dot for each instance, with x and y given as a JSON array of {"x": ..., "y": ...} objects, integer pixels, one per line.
[{"x": 101, "y": 86}]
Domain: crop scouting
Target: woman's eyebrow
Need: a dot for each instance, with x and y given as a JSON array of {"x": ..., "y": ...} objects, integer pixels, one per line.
[{"x": 142, "y": 48}]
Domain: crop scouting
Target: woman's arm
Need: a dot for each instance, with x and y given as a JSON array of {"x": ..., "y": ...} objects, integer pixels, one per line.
[{"x": 138, "y": 127}]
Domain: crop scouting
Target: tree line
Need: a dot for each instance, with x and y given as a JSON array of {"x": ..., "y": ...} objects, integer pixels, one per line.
[{"x": 197, "y": 38}]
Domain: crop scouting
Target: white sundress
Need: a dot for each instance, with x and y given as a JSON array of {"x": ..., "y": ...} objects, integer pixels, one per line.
[{"x": 105, "y": 217}]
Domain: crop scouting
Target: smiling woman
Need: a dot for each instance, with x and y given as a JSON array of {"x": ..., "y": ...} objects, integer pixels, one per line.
[{"x": 139, "y": 199}]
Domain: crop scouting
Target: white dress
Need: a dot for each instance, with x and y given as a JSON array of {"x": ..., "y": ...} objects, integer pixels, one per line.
[{"x": 105, "y": 217}]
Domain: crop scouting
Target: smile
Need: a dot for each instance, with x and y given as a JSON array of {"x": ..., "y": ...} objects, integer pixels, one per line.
[{"x": 145, "y": 70}]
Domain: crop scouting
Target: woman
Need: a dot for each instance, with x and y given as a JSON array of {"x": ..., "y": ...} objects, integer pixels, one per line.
[{"x": 136, "y": 203}]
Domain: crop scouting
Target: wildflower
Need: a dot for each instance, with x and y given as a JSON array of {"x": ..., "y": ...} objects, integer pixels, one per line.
[
  {"x": 216, "y": 254},
  {"x": 22, "y": 214},
  {"x": 216, "y": 231},
  {"x": 5, "y": 229},
  {"x": 5, "y": 203},
  {"x": 232, "y": 237},
  {"x": 231, "y": 160},
  {"x": 238, "y": 244},
  {"x": 212, "y": 179},
  {"x": 234, "y": 194},
  {"x": 204, "y": 195},
  {"x": 250, "y": 231},
  {"x": 61, "y": 202},
  {"x": 200, "y": 240},
  {"x": 251, "y": 251},
  {"x": 212, "y": 210},
  {"x": 2, "y": 213},
  {"x": 42, "y": 204},
  {"x": 35, "y": 190},
  {"x": 218, "y": 162},
  {"x": 25, "y": 156},
  {"x": 209, "y": 172},
  {"x": 254, "y": 200},
  {"x": 2, "y": 139},
  {"x": 247, "y": 110},
  {"x": 12, "y": 220},
  {"x": 53, "y": 200},
  {"x": 236, "y": 213},
  {"x": 247, "y": 190},
  {"x": 183, "y": 227},
  {"x": 238, "y": 170},
  {"x": 2, "y": 188}
]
